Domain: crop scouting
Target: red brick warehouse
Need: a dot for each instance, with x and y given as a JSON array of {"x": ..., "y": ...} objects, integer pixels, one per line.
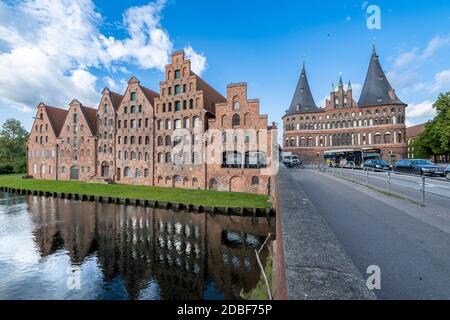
[{"x": 159, "y": 139}]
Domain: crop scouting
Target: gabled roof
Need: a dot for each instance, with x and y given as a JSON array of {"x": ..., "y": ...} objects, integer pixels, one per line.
[
  {"x": 377, "y": 90},
  {"x": 90, "y": 114},
  {"x": 116, "y": 99},
  {"x": 149, "y": 94},
  {"x": 303, "y": 101},
  {"x": 57, "y": 117}
]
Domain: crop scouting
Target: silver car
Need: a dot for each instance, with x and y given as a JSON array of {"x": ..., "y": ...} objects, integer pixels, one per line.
[{"x": 447, "y": 172}]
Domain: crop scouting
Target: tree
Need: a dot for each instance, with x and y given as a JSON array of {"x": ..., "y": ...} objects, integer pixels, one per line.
[
  {"x": 13, "y": 140},
  {"x": 435, "y": 140}
]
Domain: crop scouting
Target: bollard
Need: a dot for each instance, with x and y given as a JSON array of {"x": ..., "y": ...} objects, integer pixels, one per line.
[
  {"x": 353, "y": 173},
  {"x": 367, "y": 176},
  {"x": 389, "y": 182},
  {"x": 423, "y": 190}
]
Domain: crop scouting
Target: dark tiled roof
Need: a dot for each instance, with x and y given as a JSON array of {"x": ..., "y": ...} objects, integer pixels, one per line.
[
  {"x": 57, "y": 117},
  {"x": 377, "y": 90},
  {"x": 90, "y": 114},
  {"x": 303, "y": 101},
  {"x": 149, "y": 94},
  {"x": 116, "y": 99},
  {"x": 415, "y": 131}
]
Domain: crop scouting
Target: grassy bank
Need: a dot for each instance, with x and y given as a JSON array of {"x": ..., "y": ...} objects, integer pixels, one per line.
[{"x": 194, "y": 197}]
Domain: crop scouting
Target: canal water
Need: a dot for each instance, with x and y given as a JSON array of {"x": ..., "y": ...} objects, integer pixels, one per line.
[{"x": 62, "y": 249}]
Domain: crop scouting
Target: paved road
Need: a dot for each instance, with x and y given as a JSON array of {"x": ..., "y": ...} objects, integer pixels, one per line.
[
  {"x": 437, "y": 190},
  {"x": 411, "y": 247}
]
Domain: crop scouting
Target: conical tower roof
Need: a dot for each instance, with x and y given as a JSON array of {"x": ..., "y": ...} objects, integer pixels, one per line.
[
  {"x": 377, "y": 90},
  {"x": 303, "y": 100}
]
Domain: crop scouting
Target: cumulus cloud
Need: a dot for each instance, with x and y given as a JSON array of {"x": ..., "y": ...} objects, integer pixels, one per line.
[
  {"x": 406, "y": 69},
  {"x": 48, "y": 49},
  {"x": 441, "y": 82},
  {"x": 198, "y": 61},
  {"x": 420, "y": 112}
]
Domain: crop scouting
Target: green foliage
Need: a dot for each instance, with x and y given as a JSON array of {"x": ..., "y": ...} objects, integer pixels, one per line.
[
  {"x": 13, "y": 141},
  {"x": 435, "y": 140},
  {"x": 185, "y": 196}
]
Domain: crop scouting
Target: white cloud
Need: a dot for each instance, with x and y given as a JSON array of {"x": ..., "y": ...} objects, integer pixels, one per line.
[
  {"x": 420, "y": 111},
  {"x": 441, "y": 82},
  {"x": 198, "y": 61},
  {"x": 49, "y": 47}
]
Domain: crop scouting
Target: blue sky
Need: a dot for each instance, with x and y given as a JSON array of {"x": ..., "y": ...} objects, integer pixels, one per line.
[{"x": 58, "y": 50}]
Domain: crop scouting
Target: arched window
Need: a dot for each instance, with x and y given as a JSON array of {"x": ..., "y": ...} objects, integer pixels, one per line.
[
  {"x": 377, "y": 138},
  {"x": 236, "y": 120},
  {"x": 168, "y": 157},
  {"x": 387, "y": 137},
  {"x": 224, "y": 121},
  {"x": 146, "y": 173},
  {"x": 160, "y": 141},
  {"x": 213, "y": 184},
  {"x": 186, "y": 123},
  {"x": 247, "y": 119},
  {"x": 236, "y": 104},
  {"x": 196, "y": 122},
  {"x": 177, "y": 124},
  {"x": 168, "y": 141},
  {"x": 127, "y": 172},
  {"x": 255, "y": 181},
  {"x": 168, "y": 124}
]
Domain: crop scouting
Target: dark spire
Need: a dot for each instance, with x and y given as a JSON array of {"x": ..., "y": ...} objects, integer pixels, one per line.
[
  {"x": 341, "y": 84},
  {"x": 349, "y": 86},
  {"x": 303, "y": 100},
  {"x": 376, "y": 90}
]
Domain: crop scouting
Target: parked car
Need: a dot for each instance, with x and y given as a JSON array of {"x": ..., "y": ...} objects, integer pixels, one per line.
[
  {"x": 376, "y": 165},
  {"x": 447, "y": 172},
  {"x": 419, "y": 166},
  {"x": 292, "y": 161}
]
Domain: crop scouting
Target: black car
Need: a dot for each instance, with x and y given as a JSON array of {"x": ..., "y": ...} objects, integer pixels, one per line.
[
  {"x": 420, "y": 167},
  {"x": 376, "y": 165},
  {"x": 447, "y": 172}
]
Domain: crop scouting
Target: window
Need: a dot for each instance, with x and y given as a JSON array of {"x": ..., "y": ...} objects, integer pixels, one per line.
[
  {"x": 133, "y": 155},
  {"x": 168, "y": 157},
  {"x": 178, "y": 124},
  {"x": 133, "y": 124},
  {"x": 186, "y": 123},
  {"x": 160, "y": 141},
  {"x": 146, "y": 122},
  {"x": 177, "y": 106},
  {"x": 184, "y": 88},
  {"x": 133, "y": 96},
  {"x": 191, "y": 104},
  {"x": 236, "y": 120},
  {"x": 177, "y": 74},
  {"x": 170, "y": 91},
  {"x": 140, "y": 109},
  {"x": 168, "y": 124},
  {"x": 119, "y": 124},
  {"x": 125, "y": 110},
  {"x": 75, "y": 119},
  {"x": 140, "y": 123},
  {"x": 177, "y": 89},
  {"x": 196, "y": 122},
  {"x": 138, "y": 173},
  {"x": 133, "y": 109},
  {"x": 132, "y": 140},
  {"x": 127, "y": 172},
  {"x": 168, "y": 141},
  {"x": 255, "y": 181}
]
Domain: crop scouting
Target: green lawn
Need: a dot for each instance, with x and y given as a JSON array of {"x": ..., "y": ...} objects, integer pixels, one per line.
[{"x": 194, "y": 197}]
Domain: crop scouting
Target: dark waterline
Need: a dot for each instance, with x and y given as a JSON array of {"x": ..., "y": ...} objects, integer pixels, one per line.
[{"x": 49, "y": 246}]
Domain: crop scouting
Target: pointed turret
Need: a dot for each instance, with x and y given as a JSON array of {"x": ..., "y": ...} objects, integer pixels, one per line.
[
  {"x": 349, "y": 86},
  {"x": 341, "y": 84},
  {"x": 303, "y": 100},
  {"x": 377, "y": 90}
]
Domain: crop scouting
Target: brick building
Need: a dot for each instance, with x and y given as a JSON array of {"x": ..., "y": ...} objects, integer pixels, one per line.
[
  {"x": 376, "y": 121},
  {"x": 42, "y": 147},
  {"x": 146, "y": 138},
  {"x": 77, "y": 144}
]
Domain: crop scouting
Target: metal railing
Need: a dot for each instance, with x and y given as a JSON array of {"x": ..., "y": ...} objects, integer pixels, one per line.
[{"x": 426, "y": 188}]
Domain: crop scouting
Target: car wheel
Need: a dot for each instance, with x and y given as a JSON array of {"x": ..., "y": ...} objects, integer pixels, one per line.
[
  {"x": 447, "y": 175},
  {"x": 419, "y": 172}
]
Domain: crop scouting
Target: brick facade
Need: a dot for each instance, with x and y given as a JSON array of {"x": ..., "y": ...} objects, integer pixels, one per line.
[
  {"x": 376, "y": 121},
  {"x": 146, "y": 138}
]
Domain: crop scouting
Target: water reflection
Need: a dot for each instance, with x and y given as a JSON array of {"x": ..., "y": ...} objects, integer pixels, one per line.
[{"x": 124, "y": 252}]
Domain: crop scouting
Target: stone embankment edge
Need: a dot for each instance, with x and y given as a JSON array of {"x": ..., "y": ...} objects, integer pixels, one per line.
[{"x": 243, "y": 211}]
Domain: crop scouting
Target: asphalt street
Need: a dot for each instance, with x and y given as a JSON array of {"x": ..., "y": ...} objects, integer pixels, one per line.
[{"x": 411, "y": 248}]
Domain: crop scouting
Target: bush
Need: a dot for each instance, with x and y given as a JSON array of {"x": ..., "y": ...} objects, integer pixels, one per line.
[
  {"x": 20, "y": 166},
  {"x": 6, "y": 168}
]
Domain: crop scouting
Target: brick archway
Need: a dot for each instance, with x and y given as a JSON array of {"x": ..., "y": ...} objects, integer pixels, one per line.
[{"x": 236, "y": 184}]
